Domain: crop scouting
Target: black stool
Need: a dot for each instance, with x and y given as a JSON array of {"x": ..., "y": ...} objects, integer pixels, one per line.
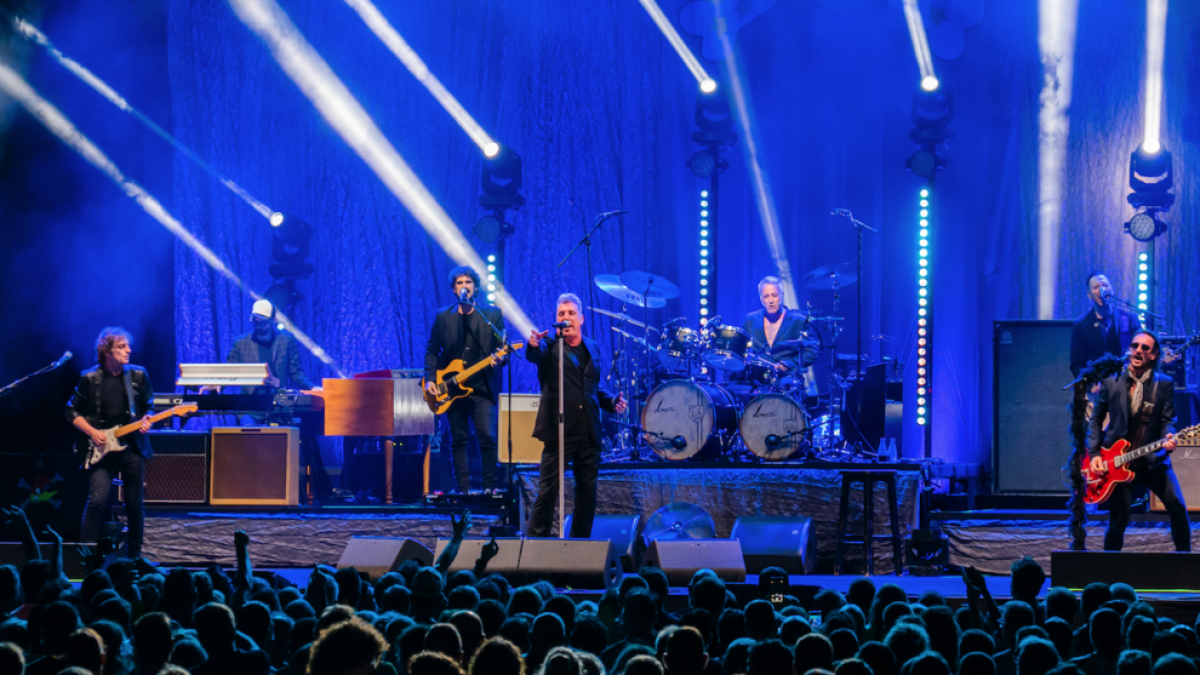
[{"x": 868, "y": 477}]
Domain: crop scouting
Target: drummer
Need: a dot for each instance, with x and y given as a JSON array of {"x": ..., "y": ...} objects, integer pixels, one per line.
[{"x": 778, "y": 332}]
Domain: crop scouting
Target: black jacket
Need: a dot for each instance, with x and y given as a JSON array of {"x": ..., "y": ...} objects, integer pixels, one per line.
[
  {"x": 284, "y": 362},
  {"x": 85, "y": 403},
  {"x": 1158, "y": 391},
  {"x": 791, "y": 329},
  {"x": 446, "y": 342},
  {"x": 593, "y": 398},
  {"x": 1089, "y": 342}
]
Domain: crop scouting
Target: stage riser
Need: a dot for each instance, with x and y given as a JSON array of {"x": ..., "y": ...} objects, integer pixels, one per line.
[{"x": 1147, "y": 571}]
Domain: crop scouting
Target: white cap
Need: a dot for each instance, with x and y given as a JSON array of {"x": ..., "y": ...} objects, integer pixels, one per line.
[{"x": 262, "y": 308}]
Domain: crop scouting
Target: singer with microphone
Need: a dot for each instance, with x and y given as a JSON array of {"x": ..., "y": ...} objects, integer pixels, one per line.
[
  {"x": 460, "y": 331},
  {"x": 583, "y": 398},
  {"x": 1104, "y": 329}
]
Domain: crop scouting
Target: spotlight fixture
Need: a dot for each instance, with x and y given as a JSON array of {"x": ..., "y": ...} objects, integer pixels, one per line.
[
  {"x": 714, "y": 121},
  {"x": 291, "y": 246},
  {"x": 708, "y": 85},
  {"x": 1151, "y": 176},
  {"x": 924, "y": 163},
  {"x": 1145, "y": 225},
  {"x": 932, "y": 108},
  {"x": 706, "y": 163},
  {"x": 492, "y": 228},
  {"x": 491, "y": 149},
  {"x": 929, "y": 83},
  {"x": 500, "y": 180}
]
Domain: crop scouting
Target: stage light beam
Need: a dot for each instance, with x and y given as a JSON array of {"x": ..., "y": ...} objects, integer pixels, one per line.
[
  {"x": 346, "y": 116},
  {"x": 391, "y": 38},
  {"x": 920, "y": 43},
  {"x": 31, "y": 33},
  {"x": 58, "y": 124},
  {"x": 1156, "y": 38},
  {"x": 707, "y": 84}
]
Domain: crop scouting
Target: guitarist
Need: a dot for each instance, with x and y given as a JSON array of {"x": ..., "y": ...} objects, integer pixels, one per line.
[
  {"x": 1140, "y": 403},
  {"x": 460, "y": 332},
  {"x": 111, "y": 394}
]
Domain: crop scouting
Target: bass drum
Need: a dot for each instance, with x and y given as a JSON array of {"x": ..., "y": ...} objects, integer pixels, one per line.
[
  {"x": 774, "y": 426},
  {"x": 683, "y": 419}
]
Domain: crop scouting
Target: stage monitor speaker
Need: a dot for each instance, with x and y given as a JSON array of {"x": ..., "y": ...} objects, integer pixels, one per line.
[
  {"x": 525, "y": 448},
  {"x": 1186, "y": 463},
  {"x": 255, "y": 466},
  {"x": 571, "y": 563},
  {"x": 1030, "y": 440},
  {"x": 624, "y": 531},
  {"x": 776, "y": 541},
  {"x": 379, "y": 555},
  {"x": 506, "y": 562},
  {"x": 1145, "y": 571},
  {"x": 681, "y": 558},
  {"x": 178, "y": 472}
]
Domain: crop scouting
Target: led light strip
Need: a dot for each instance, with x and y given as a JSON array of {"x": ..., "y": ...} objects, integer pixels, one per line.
[
  {"x": 924, "y": 315},
  {"x": 707, "y": 272}
]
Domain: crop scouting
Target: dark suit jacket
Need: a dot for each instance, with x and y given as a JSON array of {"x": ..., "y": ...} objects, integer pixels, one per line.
[
  {"x": 85, "y": 403},
  {"x": 1089, "y": 341},
  {"x": 284, "y": 362},
  {"x": 446, "y": 342},
  {"x": 595, "y": 397},
  {"x": 791, "y": 329},
  {"x": 1114, "y": 402}
]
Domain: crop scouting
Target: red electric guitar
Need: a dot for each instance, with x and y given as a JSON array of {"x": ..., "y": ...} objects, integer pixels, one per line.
[{"x": 1116, "y": 459}]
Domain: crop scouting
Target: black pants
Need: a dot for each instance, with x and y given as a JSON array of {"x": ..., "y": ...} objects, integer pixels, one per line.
[
  {"x": 481, "y": 412},
  {"x": 1161, "y": 481},
  {"x": 132, "y": 468},
  {"x": 584, "y": 458}
]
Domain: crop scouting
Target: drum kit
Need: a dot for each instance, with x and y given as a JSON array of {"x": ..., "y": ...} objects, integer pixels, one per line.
[{"x": 708, "y": 394}]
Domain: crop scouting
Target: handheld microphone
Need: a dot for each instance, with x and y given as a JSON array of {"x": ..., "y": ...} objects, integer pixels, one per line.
[
  {"x": 65, "y": 357},
  {"x": 561, "y": 324}
]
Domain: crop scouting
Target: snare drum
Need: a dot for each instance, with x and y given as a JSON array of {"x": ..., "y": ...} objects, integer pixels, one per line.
[
  {"x": 684, "y": 418},
  {"x": 727, "y": 348},
  {"x": 677, "y": 345},
  {"x": 759, "y": 373},
  {"x": 774, "y": 426}
]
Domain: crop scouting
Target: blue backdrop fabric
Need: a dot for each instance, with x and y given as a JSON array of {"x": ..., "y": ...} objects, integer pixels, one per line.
[{"x": 600, "y": 108}]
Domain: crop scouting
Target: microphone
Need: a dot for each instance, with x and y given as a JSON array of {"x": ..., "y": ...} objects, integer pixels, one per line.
[
  {"x": 464, "y": 298},
  {"x": 561, "y": 324},
  {"x": 1106, "y": 293},
  {"x": 679, "y": 442},
  {"x": 845, "y": 213},
  {"x": 775, "y": 442},
  {"x": 65, "y": 357},
  {"x": 609, "y": 214}
]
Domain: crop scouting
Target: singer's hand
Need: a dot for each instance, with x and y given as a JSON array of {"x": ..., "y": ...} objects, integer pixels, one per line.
[
  {"x": 535, "y": 337},
  {"x": 619, "y": 405}
]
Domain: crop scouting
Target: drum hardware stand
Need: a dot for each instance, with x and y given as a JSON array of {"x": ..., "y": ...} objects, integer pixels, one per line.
[{"x": 859, "y": 226}]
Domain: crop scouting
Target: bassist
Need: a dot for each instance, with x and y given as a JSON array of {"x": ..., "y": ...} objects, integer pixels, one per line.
[
  {"x": 1140, "y": 403},
  {"x": 460, "y": 332},
  {"x": 111, "y": 394}
]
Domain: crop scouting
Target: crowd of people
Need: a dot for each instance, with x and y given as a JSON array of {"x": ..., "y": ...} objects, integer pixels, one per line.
[{"x": 129, "y": 617}]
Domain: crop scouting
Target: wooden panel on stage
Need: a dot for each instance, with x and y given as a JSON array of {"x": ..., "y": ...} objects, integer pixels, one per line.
[{"x": 358, "y": 407}]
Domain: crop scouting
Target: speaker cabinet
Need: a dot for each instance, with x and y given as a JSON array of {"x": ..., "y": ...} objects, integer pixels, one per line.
[
  {"x": 624, "y": 531},
  {"x": 376, "y": 556},
  {"x": 1031, "y": 443},
  {"x": 571, "y": 563},
  {"x": 681, "y": 558},
  {"x": 255, "y": 466},
  {"x": 506, "y": 562},
  {"x": 178, "y": 471},
  {"x": 1186, "y": 463},
  {"x": 776, "y": 541},
  {"x": 525, "y": 449}
]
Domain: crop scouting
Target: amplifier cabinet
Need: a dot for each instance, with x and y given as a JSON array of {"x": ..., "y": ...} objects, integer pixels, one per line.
[
  {"x": 525, "y": 448},
  {"x": 178, "y": 471},
  {"x": 255, "y": 466}
]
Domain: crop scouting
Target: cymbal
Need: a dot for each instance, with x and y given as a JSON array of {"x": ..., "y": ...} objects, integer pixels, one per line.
[
  {"x": 680, "y": 520},
  {"x": 651, "y": 285},
  {"x": 623, "y": 317},
  {"x": 637, "y": 340},
  {"x": 826, "y": 277},
  {"x": 611, "y": 284}
]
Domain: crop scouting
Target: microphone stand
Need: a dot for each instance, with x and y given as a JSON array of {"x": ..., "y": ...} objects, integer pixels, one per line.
[
  {"x": 587, "y": 242},
  {"x": 8, "y": 388},
  {"x": 562, "y": 436},
  {"x": 1129, "y": 305},
  {"x": 510, "y": 494},
  {"x": 859, "y": 226}
]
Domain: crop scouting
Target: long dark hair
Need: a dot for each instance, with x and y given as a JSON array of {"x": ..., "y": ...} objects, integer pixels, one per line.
[{"x": 108, "y": 341}]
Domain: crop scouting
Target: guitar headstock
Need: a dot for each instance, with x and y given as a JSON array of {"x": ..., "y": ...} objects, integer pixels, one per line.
[
  {"x": 1191, "y": 433},
  {"x": 185, "y": 409},
  {"x": 506, "y": 349}
]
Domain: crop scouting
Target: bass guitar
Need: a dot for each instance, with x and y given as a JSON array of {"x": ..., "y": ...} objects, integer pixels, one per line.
[
  {"x": 449, "y": 381},
  {"x": 112, "y": 437},
  {"x": 1116, "y": 460}
]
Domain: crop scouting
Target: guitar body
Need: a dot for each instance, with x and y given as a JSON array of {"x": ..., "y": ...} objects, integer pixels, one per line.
[
  {"x": 96, "y": 451},
  {"x": 1100, "y": 487},
  {"x": 448, "y": 388}
]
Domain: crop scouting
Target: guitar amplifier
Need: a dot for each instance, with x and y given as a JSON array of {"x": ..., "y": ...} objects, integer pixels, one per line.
[
  {"x": 255, "y": 466},
  {"x": 525, "y": 448},
  {"x": 178, "y": 471},
  {"x": 1186, "y": 463}
]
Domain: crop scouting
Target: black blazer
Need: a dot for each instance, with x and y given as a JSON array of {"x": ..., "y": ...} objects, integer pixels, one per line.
[
  {"x": 1089, "y": 342},
  {"x": 85, "y": 403},
  {"x": 791, "y": 329},
  {"x": 595, "y": 396},
  {"x": 284, "y": 362},
  {"x": 1159, "y": 391},
  {"x": 446, "y": 335}
]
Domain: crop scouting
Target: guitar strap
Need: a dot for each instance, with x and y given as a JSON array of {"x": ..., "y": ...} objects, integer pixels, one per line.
[
  {"x": 129, "y": 393},
  {"x": 1143, "y": 415}
]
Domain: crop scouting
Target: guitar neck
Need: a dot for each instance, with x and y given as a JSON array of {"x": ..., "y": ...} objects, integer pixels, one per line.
[
  {"x": 135, "y": 426},
  {"x": 1140, "y": 452},
  {"x": 480, "y": 365}
]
